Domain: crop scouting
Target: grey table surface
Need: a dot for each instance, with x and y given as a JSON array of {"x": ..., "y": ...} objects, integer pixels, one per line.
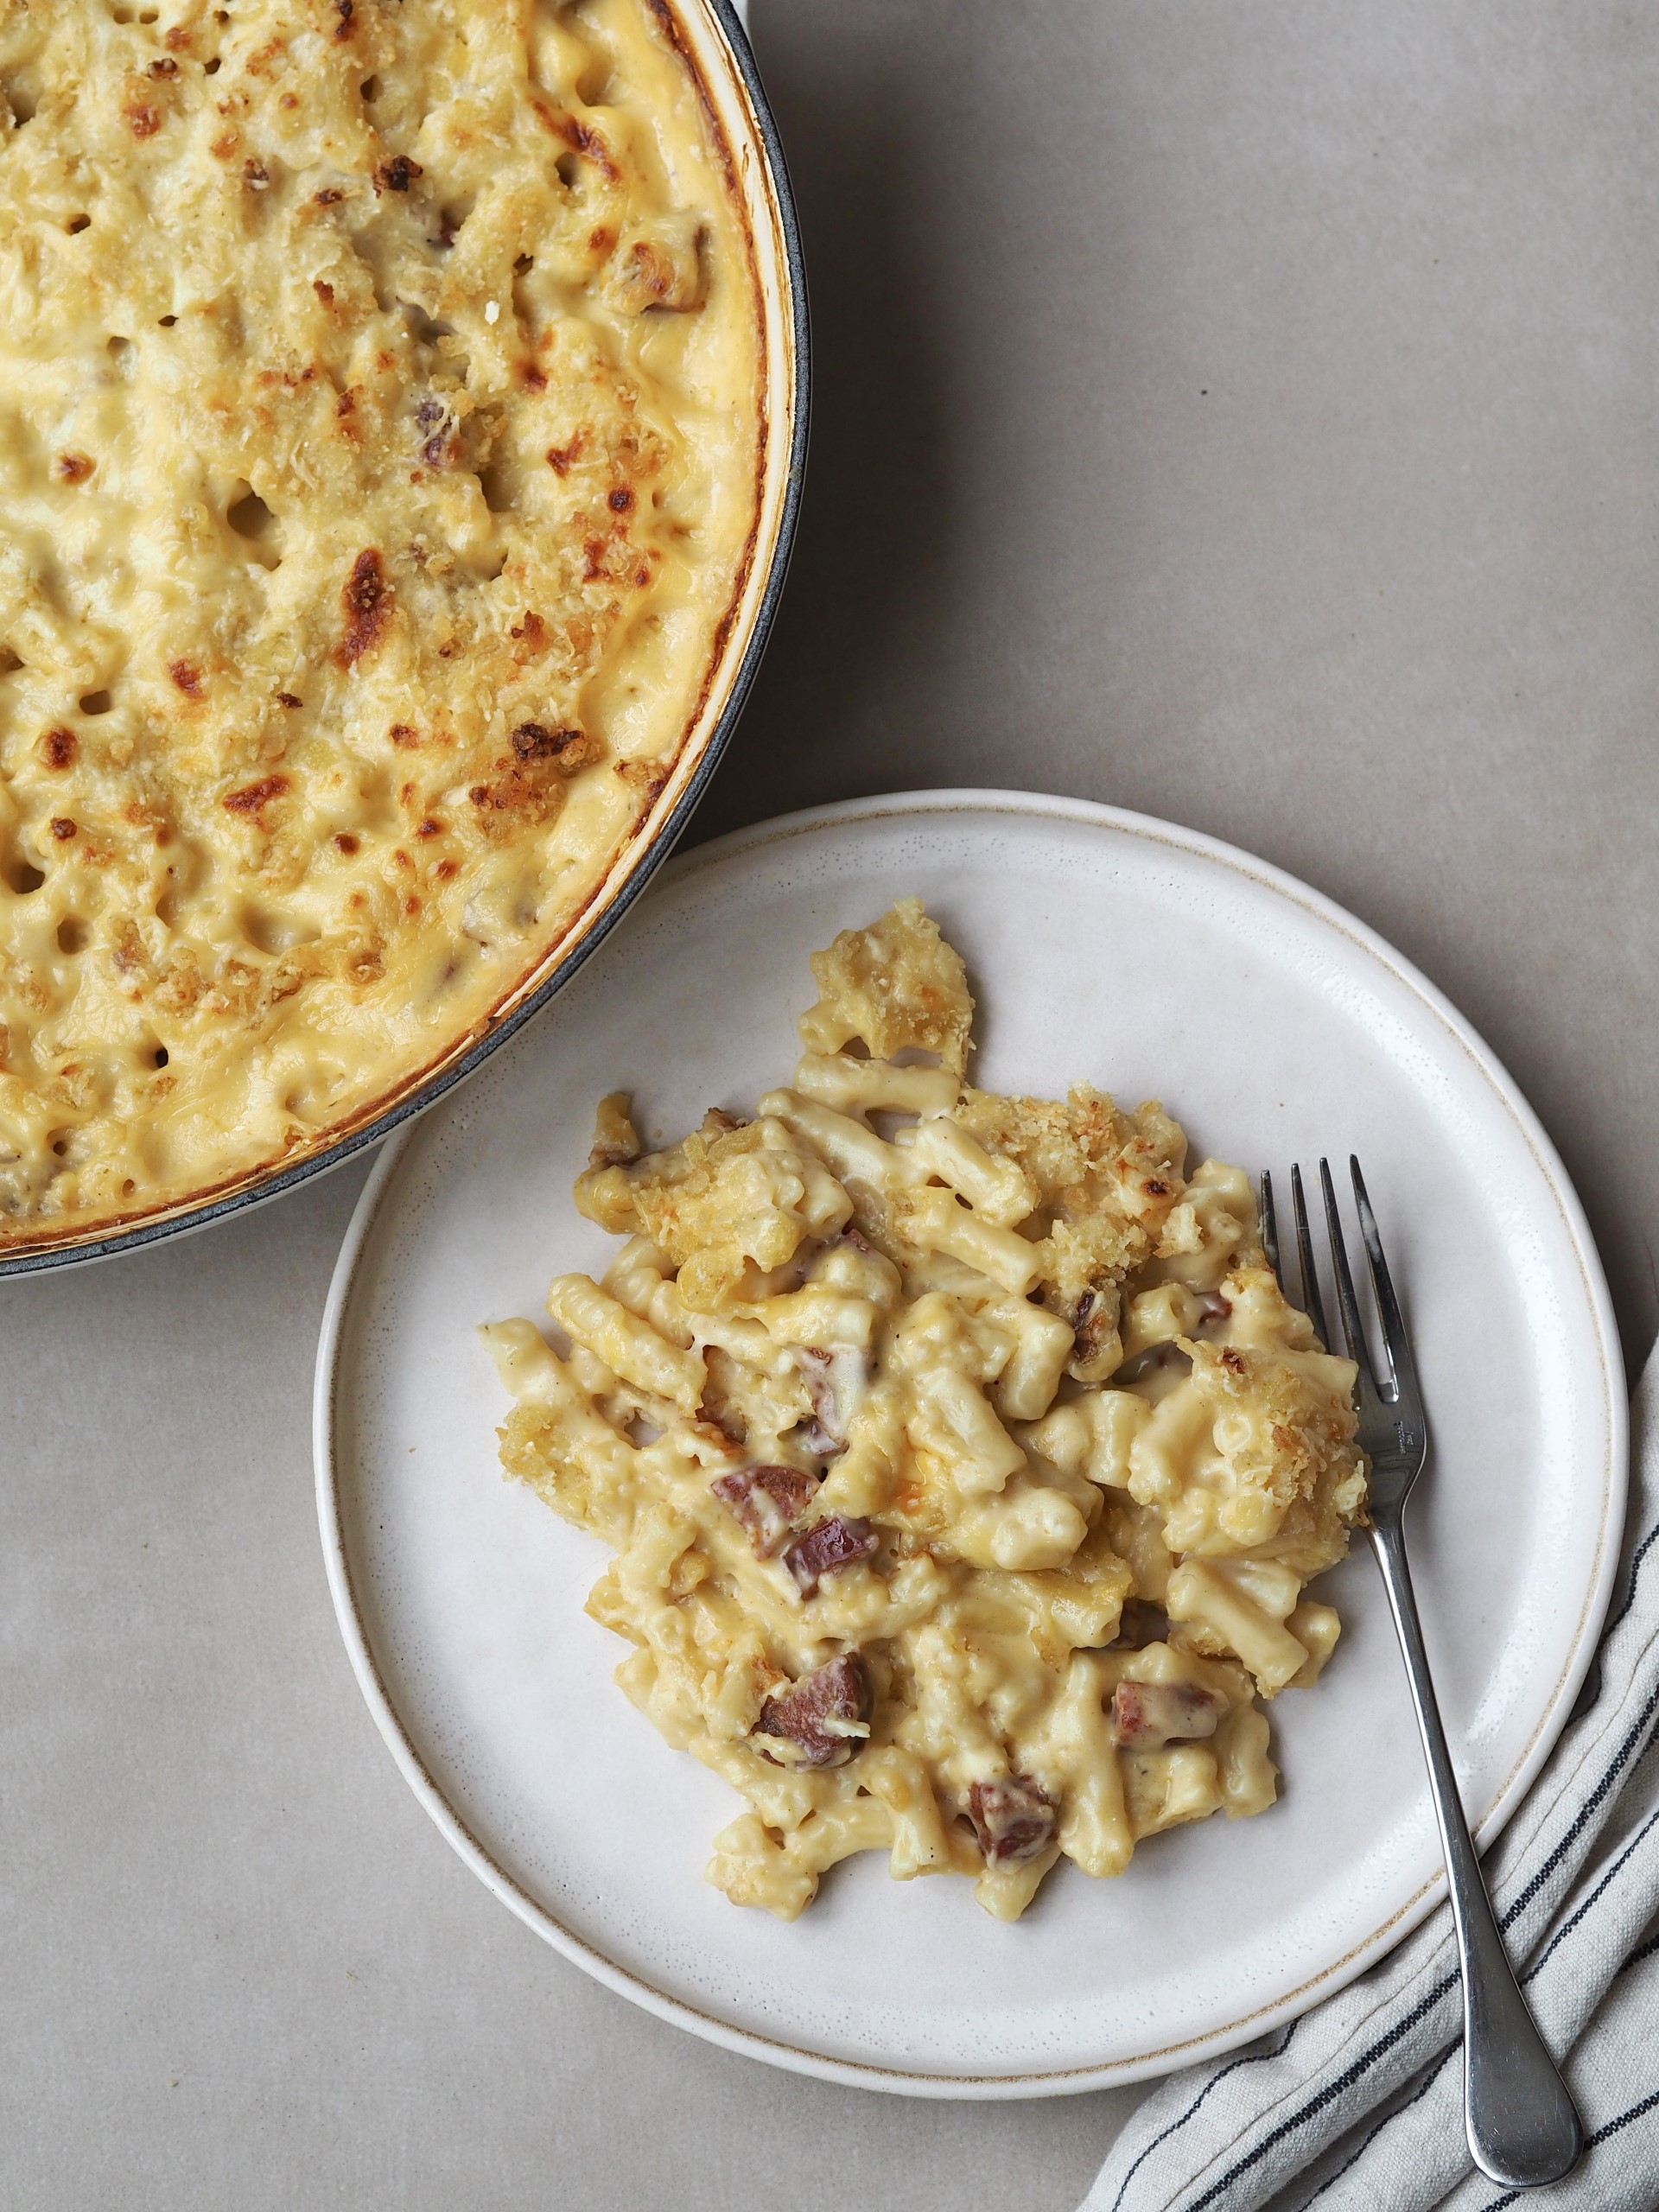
[{"x": 1244, "y": 411}]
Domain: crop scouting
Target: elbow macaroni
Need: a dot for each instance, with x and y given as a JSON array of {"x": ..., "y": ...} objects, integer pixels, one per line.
[{"x": 964, "y": 1482}]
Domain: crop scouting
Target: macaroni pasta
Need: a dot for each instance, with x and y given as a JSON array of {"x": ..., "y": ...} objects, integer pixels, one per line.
[
  {"x": 963, "y": 1462},
  {"x": 380, "y": 410}
]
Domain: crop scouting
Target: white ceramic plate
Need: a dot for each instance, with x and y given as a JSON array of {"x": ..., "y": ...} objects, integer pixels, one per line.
[{"x": 1154, "y": 962}]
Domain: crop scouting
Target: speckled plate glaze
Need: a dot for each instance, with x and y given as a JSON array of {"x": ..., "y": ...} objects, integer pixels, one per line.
[{"x": 1154, "y": 962}]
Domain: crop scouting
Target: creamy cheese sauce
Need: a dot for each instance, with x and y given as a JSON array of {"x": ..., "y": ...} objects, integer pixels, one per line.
[
  {"x": 963, "y": 1461},
  {"x": 379, "y": 397}
]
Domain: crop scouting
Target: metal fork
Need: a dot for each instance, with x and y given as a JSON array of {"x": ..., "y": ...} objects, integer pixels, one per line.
[{"x": 1523, "y": 2130}]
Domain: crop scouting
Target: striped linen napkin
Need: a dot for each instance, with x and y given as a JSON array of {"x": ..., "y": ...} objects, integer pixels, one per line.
[{"x": 1358, "y": 2106}]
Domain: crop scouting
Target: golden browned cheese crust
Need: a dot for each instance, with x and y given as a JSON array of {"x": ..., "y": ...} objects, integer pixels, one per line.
[{"x": 379, "y": 396}]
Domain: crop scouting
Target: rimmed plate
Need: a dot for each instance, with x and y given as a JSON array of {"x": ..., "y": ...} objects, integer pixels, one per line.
[{"x": 1156, "y": 963}]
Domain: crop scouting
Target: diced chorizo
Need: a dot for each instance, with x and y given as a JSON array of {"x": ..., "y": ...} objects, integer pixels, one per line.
[
  {"x": 825, "y": 1716},
  {"x": 766, "y": 1502},
  {"x": 1014, "y": 1819},
  {"x": 835, "y": 1381},
  {"x": 1146, "y": 1715},
  {"x": 826, "y": 1546}
]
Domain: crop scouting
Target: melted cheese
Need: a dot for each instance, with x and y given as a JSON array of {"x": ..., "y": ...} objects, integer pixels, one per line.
[
  {"x": 379, "y": 397},
  {"x": 1002, "y": 1422}
]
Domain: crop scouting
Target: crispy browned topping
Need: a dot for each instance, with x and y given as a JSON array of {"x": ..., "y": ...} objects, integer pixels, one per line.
[
  {"x": 336, "y": 541},
  {"x": 396, "y": 174},
  {"x": 582, "y": 138},
  {"x": 366, "y": 595},
  {"x": 252, "y": 796},
  {"x": 531, "y": 741}
]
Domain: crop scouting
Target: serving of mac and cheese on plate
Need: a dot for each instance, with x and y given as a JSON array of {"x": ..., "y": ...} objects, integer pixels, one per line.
[
  {"x": 964, "y": 1465},
  {"x": 821, "y": 1398}
]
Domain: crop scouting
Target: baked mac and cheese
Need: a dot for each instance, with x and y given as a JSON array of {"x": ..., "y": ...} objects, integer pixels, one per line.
[
  {"x": 379, "y": 431},
  {"x": 964, "y": 1463}
]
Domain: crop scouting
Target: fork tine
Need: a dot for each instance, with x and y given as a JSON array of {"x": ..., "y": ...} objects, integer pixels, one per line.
[
  {"x": 1353, "y": 1335},
  {"x": 1270, "y": 1227},
  {"x": 1402, "y": 1374},
  {"x": 1313, "y": 1303}
]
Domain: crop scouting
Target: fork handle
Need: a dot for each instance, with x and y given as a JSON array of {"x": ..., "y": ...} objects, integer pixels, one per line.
[{"x": 1523, "y": 2127}]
